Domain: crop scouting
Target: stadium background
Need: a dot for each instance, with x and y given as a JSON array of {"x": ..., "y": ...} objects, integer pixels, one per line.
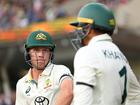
[{"x": 20, "y": 17}]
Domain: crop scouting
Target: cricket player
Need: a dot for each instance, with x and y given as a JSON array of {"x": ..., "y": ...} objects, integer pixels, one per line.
[
  {"x": 102, "y": 75},
  {"x": 45, "y": 83}
]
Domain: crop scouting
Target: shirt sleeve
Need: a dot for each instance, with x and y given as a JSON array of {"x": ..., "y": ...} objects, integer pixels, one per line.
[
  {"x": 19, "y": 97},
  {"x": 85, "y": 72},
  {"x": 83, "y": 87},
  {"x": 62, "y": 73},
  {"x": 86, "y": 66},
  {"x": 133, "y": 90}
]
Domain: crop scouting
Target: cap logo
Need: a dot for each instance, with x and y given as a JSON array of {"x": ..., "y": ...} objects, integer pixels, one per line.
[
  {"x": 112, "y": 22},
  {"x": 41, "y": 36}
]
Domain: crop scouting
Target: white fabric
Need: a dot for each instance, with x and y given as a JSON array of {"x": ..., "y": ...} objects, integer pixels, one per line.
[
  {"x": 31, "y": 93},
  {"x": 98, "y": 64}
]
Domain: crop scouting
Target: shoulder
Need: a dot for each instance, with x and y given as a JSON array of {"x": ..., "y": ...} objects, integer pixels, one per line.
[
  {"x": 86, "y": 50},
  {"x": 82, "y": 52},
  {"x": 85, "y": 53},
  {"x": 21, "y": 81},
  {"x": 61, "y": 72},
  {"x": 60, "y": 69}
]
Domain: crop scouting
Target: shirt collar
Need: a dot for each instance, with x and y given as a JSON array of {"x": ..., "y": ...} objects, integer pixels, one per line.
[
  {"x": 48, "y": 69},
  {"x": 29, "y": 76},
  {"x": 102, "y": 37}
]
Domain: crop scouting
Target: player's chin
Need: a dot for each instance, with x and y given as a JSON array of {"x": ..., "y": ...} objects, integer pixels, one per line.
[{"x": 40, "y": 67}]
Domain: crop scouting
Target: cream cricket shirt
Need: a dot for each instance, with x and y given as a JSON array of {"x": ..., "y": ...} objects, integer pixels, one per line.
[
  {"x": 102, "y": 75},
  {"x": 42, "y": 92}
]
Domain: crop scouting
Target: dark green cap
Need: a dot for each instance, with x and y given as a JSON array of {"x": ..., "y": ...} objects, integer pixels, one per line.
[
  {"x": 96, "y": 14},
  {"x": 39, "y": 38}
]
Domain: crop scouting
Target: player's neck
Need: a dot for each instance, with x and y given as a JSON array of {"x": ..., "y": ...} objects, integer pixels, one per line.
[
  {"x": 87, "y": 39},
  {"x": 35, "y": 73}
]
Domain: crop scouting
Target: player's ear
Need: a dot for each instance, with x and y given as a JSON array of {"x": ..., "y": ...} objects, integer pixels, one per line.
[{"x": 51, "y": 56}]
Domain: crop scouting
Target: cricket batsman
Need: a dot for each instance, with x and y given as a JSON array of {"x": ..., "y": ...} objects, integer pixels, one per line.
[{"x": 102, "y": 74}]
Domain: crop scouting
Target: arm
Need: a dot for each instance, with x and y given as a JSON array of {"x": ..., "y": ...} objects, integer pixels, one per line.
[
  {"x": 19, "y": 99},
  {"x": 85, "y": 80},
  {"x": 133, "y": 97},
  {"x": 65, "y": 95},
  {"x": 84, "y": 84}
]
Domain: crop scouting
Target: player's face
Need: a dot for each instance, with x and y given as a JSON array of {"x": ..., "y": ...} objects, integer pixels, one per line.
[{"x": 40, "y": 57}]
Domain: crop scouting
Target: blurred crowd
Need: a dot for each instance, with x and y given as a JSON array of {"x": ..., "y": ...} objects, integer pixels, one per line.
[
  {"x": 20, "y": 13},
  {"x": 10, "y": 100}
]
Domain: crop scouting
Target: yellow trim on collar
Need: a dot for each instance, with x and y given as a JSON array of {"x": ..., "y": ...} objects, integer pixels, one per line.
[
  {"x": 85, "y": 20},
  {"x": 30, "y": 75}
]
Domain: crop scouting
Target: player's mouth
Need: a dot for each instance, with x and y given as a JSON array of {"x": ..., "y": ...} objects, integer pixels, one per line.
[{"x": 40, "y": 60}]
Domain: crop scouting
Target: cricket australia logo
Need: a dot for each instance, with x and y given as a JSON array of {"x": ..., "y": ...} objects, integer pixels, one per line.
[
  {"x": 47, "y": 84},
  {"x": 28, "y": 90},
  {"x": 41, "y": 100},
  {"x": 41, "y": 36}
]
